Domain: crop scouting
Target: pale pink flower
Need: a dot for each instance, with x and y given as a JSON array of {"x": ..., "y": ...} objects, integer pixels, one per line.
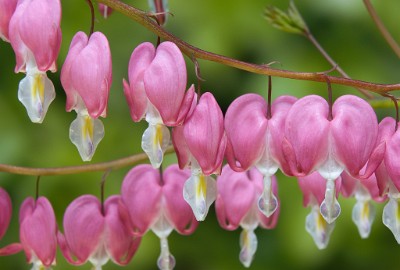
[
  {"x": 96, "y": 233},
  {"x": 313, "y": 187},
  {"x": 237, "y": 205},
  {"x": 347, "y": 141},
  {"x": 255, "y": 139},
  {"x": 201, "y": 143},
  {"x": 86, "y": 77},
  {"x": 38, "y": 232},
  {"x": 157, "y": 92},
  {"x": 154, "y": 201},
  {"x": 35, "y": 35}
]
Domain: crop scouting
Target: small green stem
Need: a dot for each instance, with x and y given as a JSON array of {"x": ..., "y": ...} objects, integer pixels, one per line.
[{"x": 382, "y": 29}]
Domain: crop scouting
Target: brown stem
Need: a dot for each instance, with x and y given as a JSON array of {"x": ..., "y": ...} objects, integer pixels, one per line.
[
  {"x": 92, "y": 14},
  {"x": 37, "y": 186},
  {"x": 142, "y": 18},
  {"x": 96, "y": 167},
  {"x": 382, "y": 29},
  {"x": 269, "y": 112}
]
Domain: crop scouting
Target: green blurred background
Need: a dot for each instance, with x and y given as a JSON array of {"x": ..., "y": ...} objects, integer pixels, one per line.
[{"x": 236, "y": 29}]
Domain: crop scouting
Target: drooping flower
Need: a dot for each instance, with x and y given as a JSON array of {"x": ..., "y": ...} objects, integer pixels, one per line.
[
  {"x": 201, "y": 143},
  {"x": 5, "y": 217},
  {"x": 35, "y": 36},
  {"x": 388, "y": 175},
  {"x": 105, "y": 10},
  {"x": 7, "y": 8},
  {"x": 255, "y": 139},
  {"x": 237, "y": 205},
  {"x": 160, "y": 9},
  {"x": 313, "y": 187},
  {"x": 364, "y": 191},
  {"x": 151, "y": 200},
  {"x": 156, "y": 92},
  {"x": 38, "y": 232},
  {"x": 96, "y": 233},
  {"x": 86, "y": 77},
  {"x": 330, "y": 142}
]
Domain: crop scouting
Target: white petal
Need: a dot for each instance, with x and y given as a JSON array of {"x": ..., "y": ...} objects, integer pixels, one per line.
[
  {"x": 199, "y": 192},
  {"x": 36, "y": 92},
  {"x": 248, "y": 247},
  {"x": 166, "y": 260},
  {"x": 86, "y": 133},
  {"x": 391, "y": 217},
  {"x": 155, "y": 141},
  {"x": 363, "y": 216},
  {"x": 318, "y": 228},
  {"x": 267, "y": 203},
  {"x": 330, "y": 207}
]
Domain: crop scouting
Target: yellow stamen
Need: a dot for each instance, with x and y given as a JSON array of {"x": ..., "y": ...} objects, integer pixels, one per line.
[
  {"x": 365, "y": 211},
  {"x": 201, "y": 189},
  {"x": 321, "y": 223},
  {"x": 87, "y": 130},
  {"x": 158, "y": 136},
  {"x": 38, "y": 87}
]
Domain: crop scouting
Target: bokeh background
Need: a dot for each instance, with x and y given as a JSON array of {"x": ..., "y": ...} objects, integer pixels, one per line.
[{"x": 236, "y": 29}]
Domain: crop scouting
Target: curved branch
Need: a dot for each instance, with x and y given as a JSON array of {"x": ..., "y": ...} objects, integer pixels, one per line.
[
  {"x": 192, "y": 51},
  {"x": 95, "y": 167}
]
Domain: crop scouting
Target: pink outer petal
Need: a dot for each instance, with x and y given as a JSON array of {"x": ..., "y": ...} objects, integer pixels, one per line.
[
  {"x": 6, "y": 211},
  {"x": 7, "y": 8},
  {"x": 135, "y": 93},
  {"x": 305, "y": 145},
  {"x": 354, "y": 129},
  {"x": 245, "y": 125},
  {"x": 120, "y": 244},
  {"x": 205, "y": 136},
  {"x": 165, "y": 82},
  {"x": 392, "y": 159},
  {"x": 141, "y": 194},
  {"x": 38, "y": 27},
  {"x": 188, "y": 105},
  {"x": 237, "y": 193},
  {"x": 38, "y": 230},
  {"x": 349, "y": 184},
  {"x": 88, "y": 73},
  {"x": 181, "y": 147},
  {"x": 178, "y": 210},
  {"x": 276, "y": 129},
  {"x": 313, "y": 188},
  {"x": 11, "y": 249},
  {"x": 78, "y": 42},
  {"x": 83, "y": 228}
]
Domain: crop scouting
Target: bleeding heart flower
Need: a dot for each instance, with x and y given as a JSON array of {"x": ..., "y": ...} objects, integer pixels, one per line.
[
  {"x": 262, "y": 147},
  {"x": 38, "y": 232},
  {"x": 330, "y": 142},
  {"x": 5, "y": 217},
  {"x": 313, "y": 187},
  {"x": 364, "y": 191},
  {"x": 388, "y": 174},
  {"x": 96, "y": 233},
  {"x": 35, "y": 36},
  {"x": 7, "y": 8},
  {"x": 157, "y": 92},
  {"x": 201, "y": 143},
  {"x": 237, "y": 205},
  {"x": 86, "y": 77},
  {"x": 150, "y": 201}
]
